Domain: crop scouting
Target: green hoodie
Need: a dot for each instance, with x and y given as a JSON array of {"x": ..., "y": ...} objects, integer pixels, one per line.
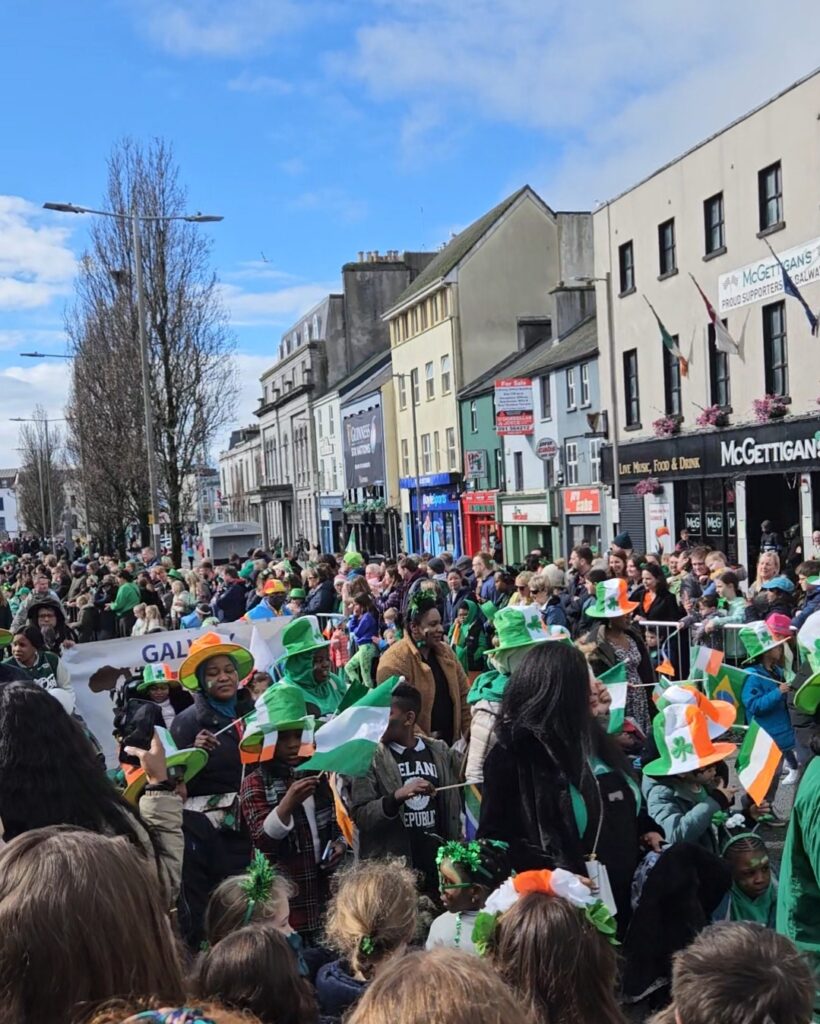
[
  {"x": 467, "y": 639},
  {"x": 488, "y": 686},
  {"x": 325, "y": 696}
]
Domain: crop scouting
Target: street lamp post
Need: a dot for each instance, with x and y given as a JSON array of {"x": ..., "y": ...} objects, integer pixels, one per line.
[
  {"x": 613, "y": 389},
  {"x": 145, "y": 359},
  {"x": 418, "y": 531}
]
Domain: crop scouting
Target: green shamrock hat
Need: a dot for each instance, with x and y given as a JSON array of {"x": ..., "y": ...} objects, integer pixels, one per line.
[
  {"x": 684, "y": 744},
  {"x": 611, "y": 601},
  {"x": 191, "y": 759},
  {"x": 302, "y": 635},
  {"x": 757, "y": 638},
  {"x": 517, "y": 627},
  {"x": 157, "y": 675}
]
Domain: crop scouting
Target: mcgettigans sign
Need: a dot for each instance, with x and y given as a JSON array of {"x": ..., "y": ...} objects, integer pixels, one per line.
[{"x": 750, "y": 452}]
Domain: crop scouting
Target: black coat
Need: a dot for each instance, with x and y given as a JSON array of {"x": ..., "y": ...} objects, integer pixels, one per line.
[
  {"x": 452, "y": 603},
  {"x": 231, "y": 602},
  {"x": 223, "y": 772},
  {"x": 664, "y": 608},
  {"x": 322, "y": 599}
]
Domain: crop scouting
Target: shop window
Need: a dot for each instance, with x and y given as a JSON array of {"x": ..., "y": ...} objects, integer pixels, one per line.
[
  {"x": 414, "y": 384},
  {"x": 715, "y": 237},
  {"x": 776, "y": 351},
  {"x": 585, "y": 396},
  {"x": 571, "y": 388},
  {"x": 473, "y": 417},
  {"x": 571, "y": 460},
  {"x": 770, "y": 196},
  {"x": 445, "y": 375},
  {"x": 719, "y": 387},
  {"x": 437, "y": 450},
  {"x": 426, "y": 462},
  {"x": 429, "y": 381},
  {"x": 667, "y": 258},
  {"x": 546, "y": 397},
  {"x": 595, "y": 459},
  {"x": 402, "y": 390},
  {"x": 452, "y": 455},
  {"x": 518, "y": 471},
  {"x": 632, "y": 409},
  {"x": 671, "y": 381},
  {"x": 626, "y": 267}
]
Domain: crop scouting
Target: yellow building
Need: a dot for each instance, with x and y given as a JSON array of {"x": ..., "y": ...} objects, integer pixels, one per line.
[{"x": 460, "y": 317}]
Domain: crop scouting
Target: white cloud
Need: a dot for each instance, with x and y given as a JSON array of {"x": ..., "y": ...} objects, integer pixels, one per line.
[
  {"x": 294, "y": 166},
  {"x": 33, "y": 339},
  {"x": 258, "y": 270},
  {"x": 268, "y": 84},
  {"x": 36, "y": 264},
  {"x": 217, "y": 28},
  {"x": 24, "y": 387},
  {"x": 334, "y": 201},
  {"x": 281, "y": 307},
  {"x": 616, "y": 89}
]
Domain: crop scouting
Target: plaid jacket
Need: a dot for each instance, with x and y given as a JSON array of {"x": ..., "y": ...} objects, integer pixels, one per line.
[{"x": 294, "y": 855}]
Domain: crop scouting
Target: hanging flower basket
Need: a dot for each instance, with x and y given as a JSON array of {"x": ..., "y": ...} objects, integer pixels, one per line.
[
  {"x": 713, "y": 416},
  {"x": 770, "y": 407},
  {"x": 666, "y": 426},
  {"x": 649, "y": 485}
]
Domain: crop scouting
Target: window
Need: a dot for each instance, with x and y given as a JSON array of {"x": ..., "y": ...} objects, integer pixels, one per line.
[
  {"x": 631, "y": 395},
  {"x": 770, "y": 196},
  {"x": 331, "y": 426},
  {"x": 719, "y": 389},
  {"x": 335, "y": 475},
  {"x": 430, "y": 381},
  {"x": 775, "y": 347},
  {"x": 405, "y": 457},
  {"x": 426, "y": 463},
  {"x": 666, "y": 247},
  {"x": 319, "y": 424},
  {"x": 423, "y": 315},
  {"x": 595, "y": 459},
  {"x": 414, "y": 384},
  {"x": 713, "y": 224},
  {"x": 626, "y": 267},
  {"x": 473, "y": 417},
  {"x": 518, "y": 471},
  {"x": 402, "y": 379},
  {"x": 571, "y": 460},
  {"x": 671, "y": 381},
  {"x": 437, "y": 451},
  {"x": 571, "y": 388},
  {"x": 444, "y": 303},
  {"x": 546, "y": 397},
  {"x": 414, "y": 320},
  {"x": 585, "y": 397},
  {"x": 445, "y": 375},
  {"x": 452, "y": 460}
]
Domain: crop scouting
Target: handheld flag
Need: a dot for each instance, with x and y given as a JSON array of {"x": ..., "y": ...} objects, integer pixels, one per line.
[
  {"x": 790, "y": 288},
  {"x": 263, "y": 658},
  {"x": 724, "y": 342},
  {"x": 669, "y": 342},
  {"x": 347, "y": 743},
  {"x": 757, "y": 761},
  {"x": 351, "y": 548},
  {"x": 727, "y": 684},
  {"x": 707, "y": 660},
  {"x": 614, "y": 679},
  {"x": 472, "y": 811}
]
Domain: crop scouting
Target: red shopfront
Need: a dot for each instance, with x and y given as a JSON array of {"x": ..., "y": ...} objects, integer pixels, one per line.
[{"x": 479, "y": 513}]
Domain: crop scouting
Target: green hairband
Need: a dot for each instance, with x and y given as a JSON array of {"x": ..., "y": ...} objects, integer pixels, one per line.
[{"x": 468, "y": 854}]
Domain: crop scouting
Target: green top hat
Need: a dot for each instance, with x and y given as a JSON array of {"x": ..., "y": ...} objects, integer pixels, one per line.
[
  {"x": 298, "y": 592},
  {"x": 301, "y": 636},
  {"x": 519, "y": 627},
  {"x": 175, "y": 574},
  {"x": 281, "y": 708},
  {"x": 192, "y": 759},
  {"x": 757, "y": 638},
  {"x": 157, "y": 675},
  {"x": 353, "y": 560}
]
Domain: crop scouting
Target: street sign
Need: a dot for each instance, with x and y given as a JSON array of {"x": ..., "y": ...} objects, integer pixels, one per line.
[{"x": 546, "y": 448}]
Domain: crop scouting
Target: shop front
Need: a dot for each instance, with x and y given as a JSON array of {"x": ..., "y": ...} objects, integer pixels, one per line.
[
  {"x": 582, "y": 517},
  {"x": 481, "y": 527},
  {"x": 721, "y": 484},
  {"x": 439, "y": 517},
  {"x": 528, "y": 522}
]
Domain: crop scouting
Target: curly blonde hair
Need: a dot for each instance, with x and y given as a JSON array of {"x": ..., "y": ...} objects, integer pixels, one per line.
[{"x": 373, "y": 913}]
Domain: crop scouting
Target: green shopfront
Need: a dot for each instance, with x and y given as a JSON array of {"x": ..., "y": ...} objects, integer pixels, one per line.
[{"x": 720, "y": 484}]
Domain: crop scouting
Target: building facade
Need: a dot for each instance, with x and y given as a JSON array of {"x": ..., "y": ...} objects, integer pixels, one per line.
[
  {"x": 483, "y": 466},
  {"x": 327, "y": 426},
  {"x": 9, "y": 524},
  {"x": 240, "y": 474},
  {"x": 460, "y": 315},
  {"x": 693, "y": 449}
]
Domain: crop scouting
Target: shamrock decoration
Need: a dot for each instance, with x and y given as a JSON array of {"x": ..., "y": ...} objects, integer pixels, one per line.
[
  {"x": 680, "y": 748},
  {"x": 612, "y": 602},
  {"x": 602, "y": 920},
  {"x": 367, "y": 945}
]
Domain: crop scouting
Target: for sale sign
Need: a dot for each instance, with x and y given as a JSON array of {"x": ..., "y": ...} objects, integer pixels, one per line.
[{"x": 514, "y": 406}]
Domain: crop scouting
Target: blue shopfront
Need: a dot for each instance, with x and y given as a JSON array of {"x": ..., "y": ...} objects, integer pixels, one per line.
[{"x": 437, "y": 527}]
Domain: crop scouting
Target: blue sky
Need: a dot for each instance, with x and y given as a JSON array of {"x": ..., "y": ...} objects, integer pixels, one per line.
[{"x": 321, "y": 128}]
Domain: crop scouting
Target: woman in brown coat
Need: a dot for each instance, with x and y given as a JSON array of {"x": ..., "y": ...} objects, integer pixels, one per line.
[{"x": 429, "y": 664}]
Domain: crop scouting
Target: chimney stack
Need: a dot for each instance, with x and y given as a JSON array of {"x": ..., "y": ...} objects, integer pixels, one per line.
[{"x": 361, "y": 256}]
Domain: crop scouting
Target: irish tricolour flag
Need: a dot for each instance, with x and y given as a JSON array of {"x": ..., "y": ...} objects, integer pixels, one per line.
[
  {"x": 346, "y": 744},
  {"x": 614, "y": 679},
  {"x": 757, "y": 761}
]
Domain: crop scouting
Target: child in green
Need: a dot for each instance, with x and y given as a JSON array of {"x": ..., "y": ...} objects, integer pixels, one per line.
[{"x": 467, "y": 637}]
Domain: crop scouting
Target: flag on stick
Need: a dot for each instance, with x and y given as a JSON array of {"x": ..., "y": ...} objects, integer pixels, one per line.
[
  {"x": 724, "y": 342},
  {"x": 727, "y": 684},
  {"x": 757, "y": 761},
  {"x": 670, "y": 343},
  {"x": 351, "y": 548},
  {"x": 348, "y": 742},
  {"x": 790, "y": 288},
  {"x": 472, "y": 811},
  {"x": 707, "y": 660},
  {"x": 614, "y": 679}
]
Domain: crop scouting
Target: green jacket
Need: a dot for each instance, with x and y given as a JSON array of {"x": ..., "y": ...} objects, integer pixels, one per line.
[
  {"x": 468, "y": 639},
  {"x": 798, "y": 895},
  {"x": 128, "y": 595}
]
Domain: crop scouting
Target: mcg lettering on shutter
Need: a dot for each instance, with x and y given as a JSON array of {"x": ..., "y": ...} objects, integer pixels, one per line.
[{"x": 632, "y": 517}]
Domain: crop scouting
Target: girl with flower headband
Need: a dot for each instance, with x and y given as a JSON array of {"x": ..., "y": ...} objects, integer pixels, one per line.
[
  {"x": 552, "y": 941},
  {"x": 468, "y": 872}
]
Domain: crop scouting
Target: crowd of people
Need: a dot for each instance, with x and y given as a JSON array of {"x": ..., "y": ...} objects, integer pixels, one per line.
[{"x": 547, "y": 826}]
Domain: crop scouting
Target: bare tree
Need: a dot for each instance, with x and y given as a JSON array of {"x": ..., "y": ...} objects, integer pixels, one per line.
[
  {"x": 42, "y": 472},
  {"x": 193, "y": 374}
]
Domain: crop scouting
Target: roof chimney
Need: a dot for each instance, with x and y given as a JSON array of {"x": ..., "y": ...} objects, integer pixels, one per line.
[{"x": 361, "y": 256}]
